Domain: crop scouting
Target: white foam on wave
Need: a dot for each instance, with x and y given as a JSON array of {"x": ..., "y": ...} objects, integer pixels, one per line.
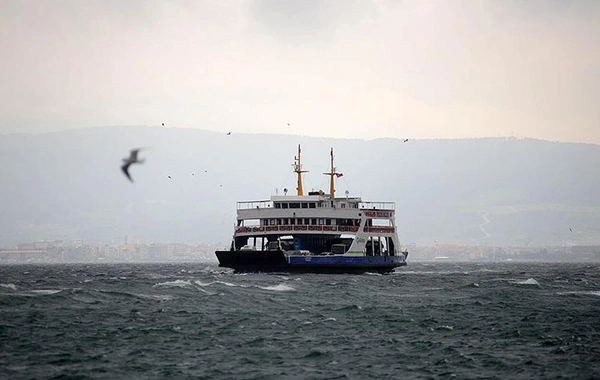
[
  {"x": 9, "y": 286},
  {"x": 581, "y": 292},
  {"x": 529, "y": 281},
  {"x": 279, "y": 288},
  {"x": 200, "y": 283},
  {"x": 176, "y": 284},
  {"x": 45, "y": 292},
  {"x": 156, "y": 297},
  {"x": 421, "y": 272}
]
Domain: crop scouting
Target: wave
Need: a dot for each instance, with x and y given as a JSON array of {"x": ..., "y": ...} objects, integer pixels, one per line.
[
  {"x": 45, "y": 292},
  {"x": 581, "y": 293},
  {"x": 174, "y": 284},
  {"x": 155, "y": 297},
  {"x": 529, "y": 281},
  {"x": 9, "y": 286},
  {"x": 278, "y": 288},
  {"x": 200, "y": 283}
]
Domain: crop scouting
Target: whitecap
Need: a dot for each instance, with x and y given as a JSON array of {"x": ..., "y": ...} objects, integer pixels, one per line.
[
  {"x": 581, "y": 292},
  {"x": 207, "y": 292},
  {"x": 225, "y": 283},
  {"x": 157, "y": 297},
  {"x": 331, "y": 319},
  {"x": 278, "y": 288},
  {"x": 9, "y": 286},
  {"x": 200, "y": 283},
  {"x": 176, "y": 283},
  {"x": 45, "y": 291},
  {"x": 529, "y": 281}
]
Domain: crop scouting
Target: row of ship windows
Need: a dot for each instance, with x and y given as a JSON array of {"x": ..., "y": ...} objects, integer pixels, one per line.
[
  {"x": 309, "y": 221},
  {"x": 309, "y": 205}
]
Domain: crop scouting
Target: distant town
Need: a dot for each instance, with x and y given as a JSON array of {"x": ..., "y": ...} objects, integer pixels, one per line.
[{"x": 59, "y": 251}]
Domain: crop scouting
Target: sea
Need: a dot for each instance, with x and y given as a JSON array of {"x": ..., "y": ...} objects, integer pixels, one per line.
[{"x": 437, "y": 320}]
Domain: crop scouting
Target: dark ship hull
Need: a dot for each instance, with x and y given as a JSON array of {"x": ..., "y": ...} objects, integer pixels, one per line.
[{"x": 278, "y": 261}]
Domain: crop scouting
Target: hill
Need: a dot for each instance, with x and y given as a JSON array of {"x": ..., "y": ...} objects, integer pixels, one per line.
[{"x": 493, "y": 191}]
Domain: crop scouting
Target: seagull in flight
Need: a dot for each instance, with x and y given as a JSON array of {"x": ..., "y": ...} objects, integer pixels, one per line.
[
  {"x": 132, "y": 159},
  {"x": 405, "y": 140},
  {"x": 228, "y": 133}
]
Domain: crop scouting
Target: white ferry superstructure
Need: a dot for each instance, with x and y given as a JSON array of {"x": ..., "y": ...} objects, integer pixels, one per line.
[{"x": 317, "y": 232}]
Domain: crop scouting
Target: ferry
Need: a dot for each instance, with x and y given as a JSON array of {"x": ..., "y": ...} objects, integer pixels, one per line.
[{"x": 314, "y": 233}]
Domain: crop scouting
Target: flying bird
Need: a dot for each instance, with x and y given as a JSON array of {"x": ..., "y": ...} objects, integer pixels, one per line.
[
  {"x": 288, "y": 123},
  {"x": 163, "y": 124},
  {"x": 169, "y": 176},
  {"x": 570, "y": 229},
  {"x": 132, "y": 159},
  {"x": 228, "y": 133},
  {"x": 405, "y": 140}
]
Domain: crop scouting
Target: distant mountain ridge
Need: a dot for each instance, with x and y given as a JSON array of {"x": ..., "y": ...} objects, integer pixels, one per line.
[{"x": 491, "y": 191}]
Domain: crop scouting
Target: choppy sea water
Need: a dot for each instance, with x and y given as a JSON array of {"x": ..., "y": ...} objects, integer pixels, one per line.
[{"x": 435, "y": 320}]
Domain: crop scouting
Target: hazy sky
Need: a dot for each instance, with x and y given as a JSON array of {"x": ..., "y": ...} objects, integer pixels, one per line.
[{"x": 336, "y": 68}]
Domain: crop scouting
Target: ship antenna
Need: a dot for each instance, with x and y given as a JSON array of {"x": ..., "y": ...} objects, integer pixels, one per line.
[
  {"x": 298, "y": 170},
  {"x": 331, "y": 174}
]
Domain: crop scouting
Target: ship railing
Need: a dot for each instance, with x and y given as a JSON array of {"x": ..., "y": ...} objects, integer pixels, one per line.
[
  {"x": 377, "y": 205},
  {"x": 247, "y": 205},
  {"x": 313, "y": 228}
]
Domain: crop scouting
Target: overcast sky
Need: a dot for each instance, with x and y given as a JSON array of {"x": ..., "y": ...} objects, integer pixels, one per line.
[{"x": 336, "y": 68}]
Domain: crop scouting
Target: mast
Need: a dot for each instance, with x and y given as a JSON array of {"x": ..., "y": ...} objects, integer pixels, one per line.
[
  {"x": 298, "y": 169},
  {"x": 332, "y": 173}
]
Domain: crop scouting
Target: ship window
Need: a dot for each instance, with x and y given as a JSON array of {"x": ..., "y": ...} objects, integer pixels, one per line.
[
  {"x": 294, "y": 205},
  {"x": 328, "y": 222},
  {"x": 292, "y": 221},
  {"x": 285, "y": 221},
  {"x": 311, "y": 205},
  {"x": 382, "y": 222},
  {"x": 277, "y": 205},
  {"x": 313, "y": 222},
  {"x": 321, "y": 222},
  {"x": 304, "y": 205},
  {"x": 306, "y": 221},
  {"x": 272, "y": 222},
  {"x": 284, "y": 205},
  {"x": 299, "y": 221}
]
